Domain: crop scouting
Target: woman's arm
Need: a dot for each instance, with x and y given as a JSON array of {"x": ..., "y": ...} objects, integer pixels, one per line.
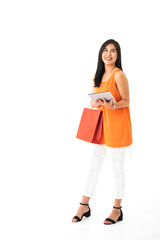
[
  {"x": 93, "y": 91},
  {"x": 123, "y": 89}
]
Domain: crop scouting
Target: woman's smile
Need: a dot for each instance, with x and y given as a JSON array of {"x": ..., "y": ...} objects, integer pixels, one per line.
[{"x": 108, "y": 58}]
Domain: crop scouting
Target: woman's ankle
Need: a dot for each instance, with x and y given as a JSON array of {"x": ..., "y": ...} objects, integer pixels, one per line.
[{"x": 85, "y": 200}]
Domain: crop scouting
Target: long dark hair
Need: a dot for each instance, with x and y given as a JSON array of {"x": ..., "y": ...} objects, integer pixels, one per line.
[{"x": 100, "y": 66}]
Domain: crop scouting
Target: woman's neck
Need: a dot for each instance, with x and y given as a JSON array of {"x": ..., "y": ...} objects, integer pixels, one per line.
[{"x": 109, "y": 68}]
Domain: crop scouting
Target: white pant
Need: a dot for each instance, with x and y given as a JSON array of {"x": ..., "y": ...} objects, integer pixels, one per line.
[{"x": 97, "y": 157}]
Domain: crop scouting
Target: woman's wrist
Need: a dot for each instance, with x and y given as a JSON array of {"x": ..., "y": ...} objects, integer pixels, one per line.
[{"x": 121, "y": 104}]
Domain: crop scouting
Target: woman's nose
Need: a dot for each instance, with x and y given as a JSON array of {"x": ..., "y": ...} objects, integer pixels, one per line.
[{"x": 108, "y": 53}]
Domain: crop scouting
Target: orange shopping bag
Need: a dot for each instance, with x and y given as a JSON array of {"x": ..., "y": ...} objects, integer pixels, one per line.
[{"x": 91, "y": 126}]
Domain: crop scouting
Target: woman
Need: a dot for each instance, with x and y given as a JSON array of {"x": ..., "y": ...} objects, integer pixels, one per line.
[{"x": 117, "y": 129}]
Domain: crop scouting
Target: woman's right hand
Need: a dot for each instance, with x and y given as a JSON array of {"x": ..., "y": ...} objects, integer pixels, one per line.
[{"x": 93, "y": 104}]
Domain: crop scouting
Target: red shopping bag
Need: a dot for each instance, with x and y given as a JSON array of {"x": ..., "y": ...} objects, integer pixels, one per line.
[{"x": 90, "y": 126}]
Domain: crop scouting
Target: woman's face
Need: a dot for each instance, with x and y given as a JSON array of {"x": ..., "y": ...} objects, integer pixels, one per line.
[{"x": 109, "y": 54}]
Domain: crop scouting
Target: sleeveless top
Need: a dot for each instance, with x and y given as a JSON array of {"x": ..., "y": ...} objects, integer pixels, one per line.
[{"x": 117, "y": 128}]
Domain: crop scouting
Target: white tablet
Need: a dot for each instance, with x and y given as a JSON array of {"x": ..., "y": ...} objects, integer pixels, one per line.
[{"x": 107, "y": 95}]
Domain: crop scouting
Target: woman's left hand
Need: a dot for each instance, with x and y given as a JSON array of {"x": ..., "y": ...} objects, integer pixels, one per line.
[{"x": 105, "y": 103}]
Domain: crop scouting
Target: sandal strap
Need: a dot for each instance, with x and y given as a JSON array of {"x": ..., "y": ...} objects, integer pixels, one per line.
[
  {"x": 77, "y": 218},
  {"x": 117, "y": 207},
  {"x": 86, "y": 204},
  {"x": 110, "y": 220}
]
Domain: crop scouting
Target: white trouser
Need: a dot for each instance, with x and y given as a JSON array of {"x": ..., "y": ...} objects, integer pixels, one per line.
[{"x": 97, "y": 157}]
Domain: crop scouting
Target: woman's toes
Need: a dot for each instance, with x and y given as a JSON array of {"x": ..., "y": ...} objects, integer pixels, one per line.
[
  {"x": 74, "y": 220},
  {"x": 106, "y": 222}
]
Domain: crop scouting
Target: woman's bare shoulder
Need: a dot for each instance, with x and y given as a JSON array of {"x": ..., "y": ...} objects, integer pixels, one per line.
[
  {"x": 119, "y": 73},
  {"x": 120, "y": 76}
]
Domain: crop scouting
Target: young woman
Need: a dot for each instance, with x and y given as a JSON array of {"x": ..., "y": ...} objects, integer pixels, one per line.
[{"x": 117, "y": 129}]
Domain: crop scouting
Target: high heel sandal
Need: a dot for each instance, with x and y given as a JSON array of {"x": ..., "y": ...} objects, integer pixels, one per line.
[
  {"x": 86, "y": 214},
  {"x": 111, "y": 220}
]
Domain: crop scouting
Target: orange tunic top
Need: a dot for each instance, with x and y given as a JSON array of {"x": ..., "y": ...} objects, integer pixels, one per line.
[{"x": 117, "y": 128}]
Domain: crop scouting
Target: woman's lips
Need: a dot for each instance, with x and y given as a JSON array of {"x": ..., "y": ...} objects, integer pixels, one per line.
[{"x": 108, "y": 59}]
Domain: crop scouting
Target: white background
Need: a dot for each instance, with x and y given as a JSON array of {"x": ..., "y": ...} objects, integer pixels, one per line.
[{"x": 48, "y": 56}]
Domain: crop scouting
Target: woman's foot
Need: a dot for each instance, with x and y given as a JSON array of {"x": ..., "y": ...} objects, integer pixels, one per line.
[
  {"x": 81, "y": 210},
  {"x": 114, "y": 215}
]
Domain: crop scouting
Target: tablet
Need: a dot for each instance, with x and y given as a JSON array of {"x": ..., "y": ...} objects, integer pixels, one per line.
[{"x": 107, "y": 95}]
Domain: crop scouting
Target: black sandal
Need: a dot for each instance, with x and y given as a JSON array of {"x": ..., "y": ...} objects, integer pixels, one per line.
[
  {"x": 86, "y": 214},
  {"x": 111, "y": 220}
]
